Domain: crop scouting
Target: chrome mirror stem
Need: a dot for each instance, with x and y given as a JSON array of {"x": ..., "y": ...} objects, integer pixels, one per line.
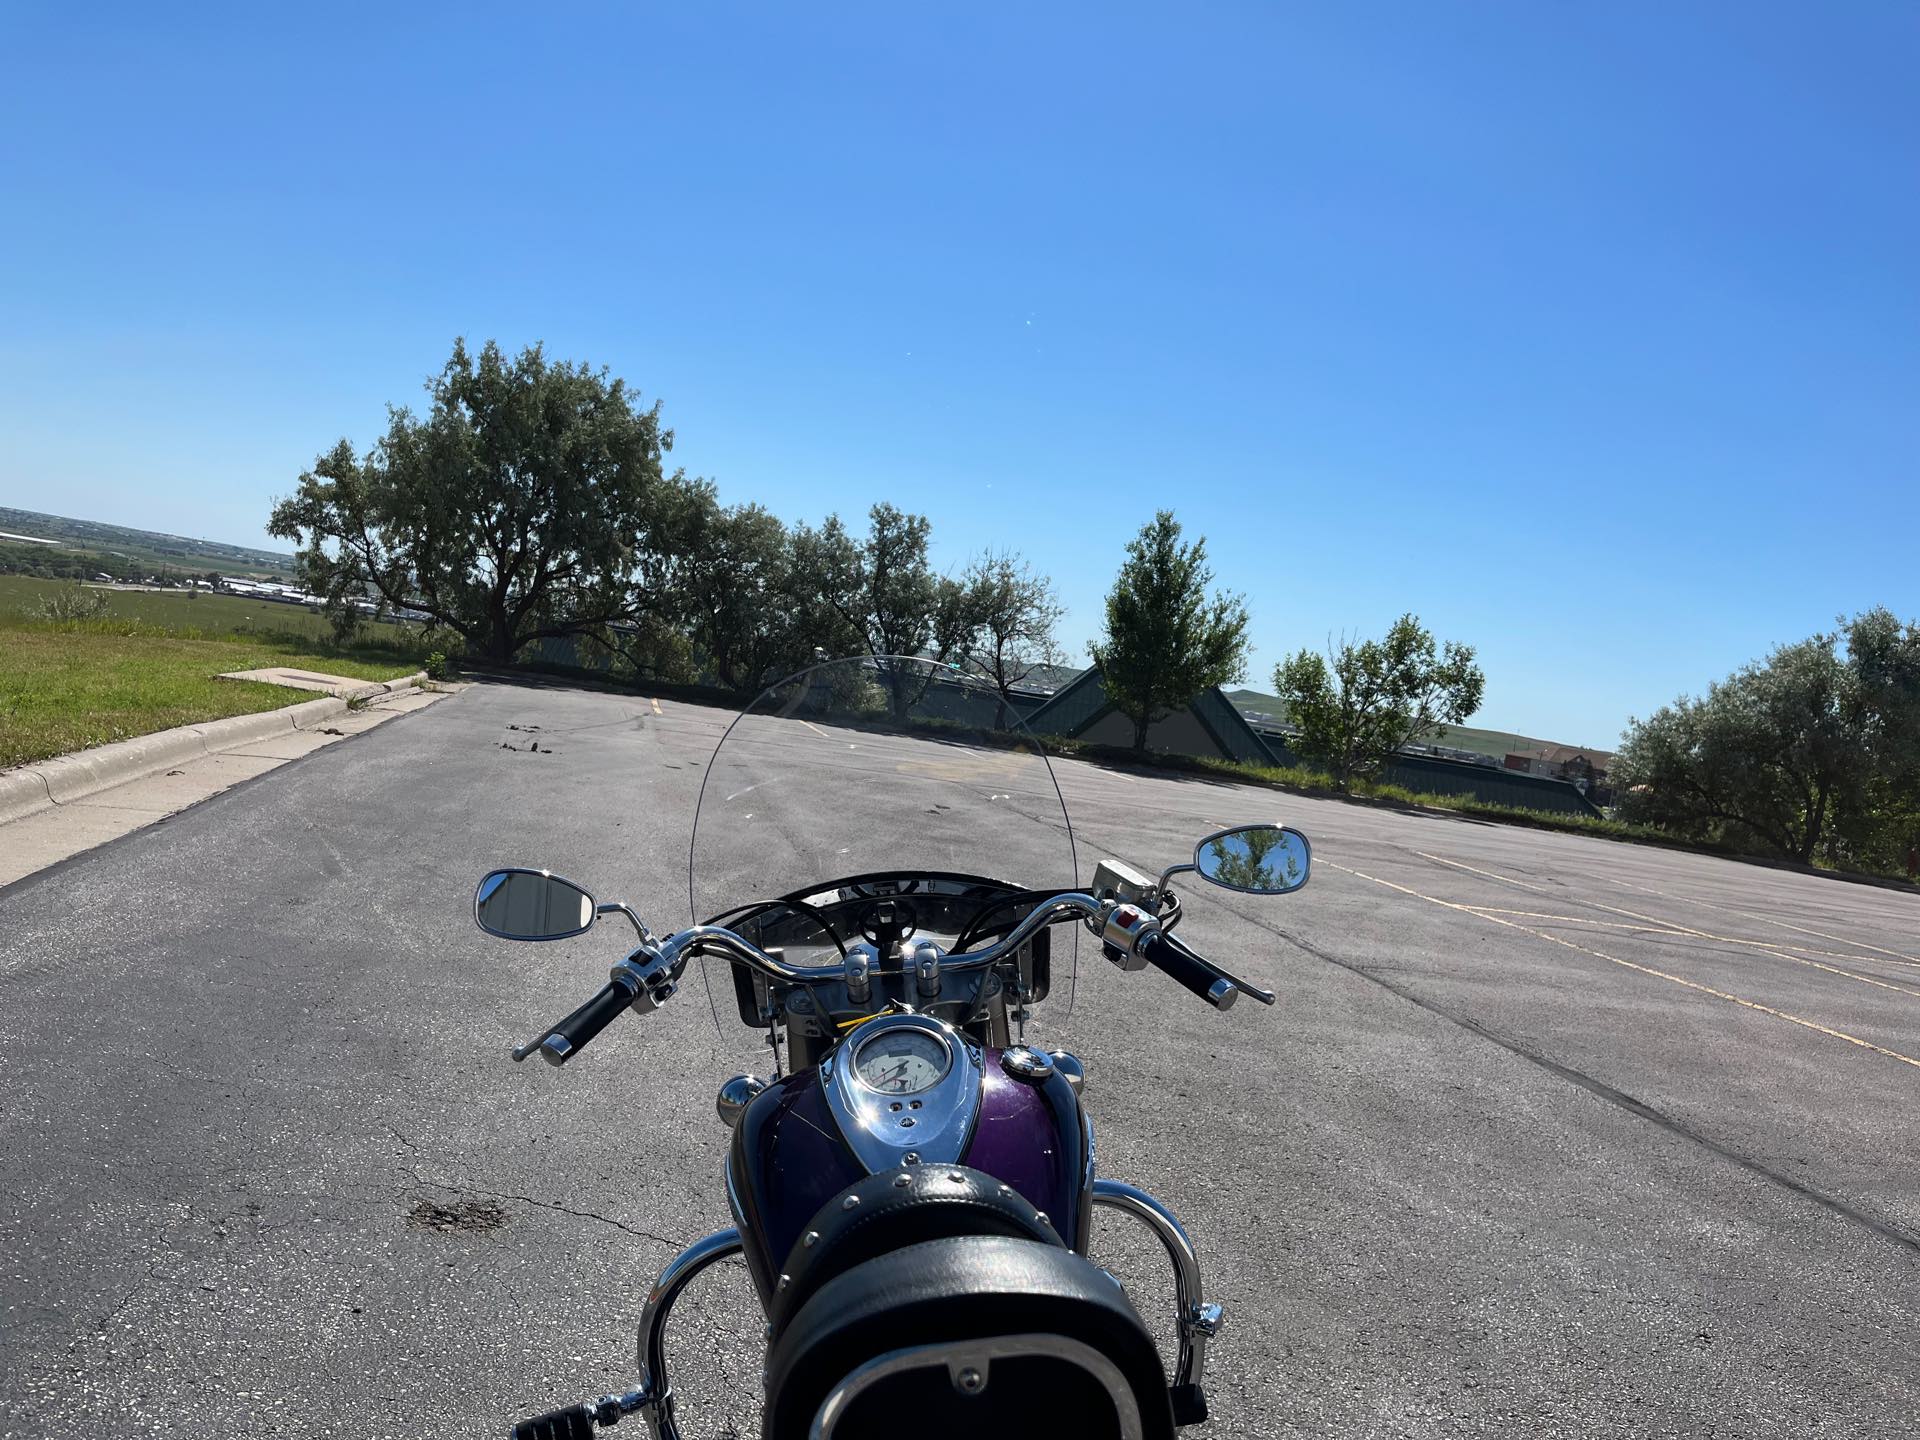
[
  {"x": 1186, "y": 867},
  {"x": 620, "y": 907}
]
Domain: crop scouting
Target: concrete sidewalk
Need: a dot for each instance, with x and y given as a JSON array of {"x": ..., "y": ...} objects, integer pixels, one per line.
[{"x": 57, "y": 808}]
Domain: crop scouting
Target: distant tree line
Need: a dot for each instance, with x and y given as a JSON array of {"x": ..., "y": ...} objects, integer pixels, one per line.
[
  {"x": 532, "y": 500},
  {"x": 57, "y": 562},
  {"x": 1812, "y": 753}
]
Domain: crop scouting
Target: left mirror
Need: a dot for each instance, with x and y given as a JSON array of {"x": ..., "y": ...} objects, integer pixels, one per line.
[
  {"x": 1258, "y": 859},
  {"x": 531, "y": 905}
]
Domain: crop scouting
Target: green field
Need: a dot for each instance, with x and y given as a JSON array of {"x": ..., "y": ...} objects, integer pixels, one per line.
[
  {"x": 150, "y": 663},
  {"x": 148, "y": 550},
  {"x": 206, "y": 615}
]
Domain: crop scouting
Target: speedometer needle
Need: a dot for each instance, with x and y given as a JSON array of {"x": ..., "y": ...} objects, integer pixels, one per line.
[{"x": 898, "y": 1072}]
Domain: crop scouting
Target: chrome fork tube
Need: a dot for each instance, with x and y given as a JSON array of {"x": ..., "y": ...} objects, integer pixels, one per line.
[{"x": 1196, "y": 1321}]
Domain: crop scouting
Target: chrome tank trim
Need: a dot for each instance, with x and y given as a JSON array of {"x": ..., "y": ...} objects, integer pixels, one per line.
[{"x": 934, "y": 1124}]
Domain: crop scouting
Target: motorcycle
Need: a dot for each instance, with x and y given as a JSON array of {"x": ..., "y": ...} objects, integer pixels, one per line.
[{"x": 913, "y": 1186}]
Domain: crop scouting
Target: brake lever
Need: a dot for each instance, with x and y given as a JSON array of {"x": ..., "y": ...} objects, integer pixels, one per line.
[{"x": 532, "y": 1047}]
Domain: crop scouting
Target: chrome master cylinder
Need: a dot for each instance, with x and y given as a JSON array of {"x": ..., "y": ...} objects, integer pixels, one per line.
[{"x": 1125, "y": 884}]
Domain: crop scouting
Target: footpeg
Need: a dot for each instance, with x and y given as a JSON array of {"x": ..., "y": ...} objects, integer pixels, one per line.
[
  {"x": 1189, "y": 1404},
  {"x": 1199, "y": 1325},
  {"x": 573, "y": 1423}
]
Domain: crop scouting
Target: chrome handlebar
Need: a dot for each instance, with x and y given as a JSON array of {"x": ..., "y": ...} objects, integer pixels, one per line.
[
  {"x": 650, "y": 973},
  {"x": 671, "y": 954}
]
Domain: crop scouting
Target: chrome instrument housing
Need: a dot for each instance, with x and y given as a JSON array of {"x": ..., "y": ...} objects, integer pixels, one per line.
[{"x": 933, "y": 1125}]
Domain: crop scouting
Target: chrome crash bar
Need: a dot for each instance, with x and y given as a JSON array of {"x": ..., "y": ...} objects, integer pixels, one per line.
[
  {"x": 653, "y": 1396},
  {"x": 1196, "y": 1321}
]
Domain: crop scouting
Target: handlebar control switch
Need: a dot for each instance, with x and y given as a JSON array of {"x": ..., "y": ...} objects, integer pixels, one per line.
[
  {"x": 1124, "y": 933},
  {"x": 648, "y": 976}
]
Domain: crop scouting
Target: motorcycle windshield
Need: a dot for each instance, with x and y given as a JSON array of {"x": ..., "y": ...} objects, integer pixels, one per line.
[{"x": 891, "y": 777}]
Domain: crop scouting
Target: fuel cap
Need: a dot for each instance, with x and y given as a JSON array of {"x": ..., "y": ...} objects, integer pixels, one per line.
[{"x": 1023, "y": 1062}]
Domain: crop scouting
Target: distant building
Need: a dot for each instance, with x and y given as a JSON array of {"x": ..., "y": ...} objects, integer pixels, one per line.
[
  {"x": 1208, "y": 725},
  {"x": 1585, "y": 768}
]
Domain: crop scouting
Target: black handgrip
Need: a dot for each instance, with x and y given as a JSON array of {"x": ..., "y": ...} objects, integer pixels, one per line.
[
  {"x": 1171, "y": 957},
  {"x": 573, "y": 1423},
  {"x": 571, "y": 1035}
]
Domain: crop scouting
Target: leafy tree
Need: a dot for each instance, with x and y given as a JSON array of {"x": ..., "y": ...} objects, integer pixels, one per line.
[
  {"x": 1012, "y": 612},
  {"x": 1353, "y": 708},
  {"x": 740, "y": 572},
  {"x": 886, "y": 596},
  {"x": 521, "y": 506},
  {"x": 826, "y": 589},
  {"x": 763, "y": 599},
  {"x": 1813, "y": 751},
  {"x": 1166, "y": 641}
]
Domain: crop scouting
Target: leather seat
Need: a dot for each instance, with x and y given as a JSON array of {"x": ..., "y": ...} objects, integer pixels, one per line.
[
  {"x": 951, "y": 1293},
  {"x": 893, "y": 1210}
]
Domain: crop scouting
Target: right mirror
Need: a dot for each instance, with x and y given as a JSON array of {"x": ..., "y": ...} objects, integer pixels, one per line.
[
  {"x": 1257, "y": 859},
  {"x": 531, "y": 905}
]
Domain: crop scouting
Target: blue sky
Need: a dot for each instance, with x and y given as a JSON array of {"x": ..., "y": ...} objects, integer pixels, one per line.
[{"x": 1589, "y": 333}]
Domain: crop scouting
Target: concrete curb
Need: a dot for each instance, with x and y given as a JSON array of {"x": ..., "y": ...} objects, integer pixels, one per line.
[
  {"x": 22, "y": 792},
  {"x": 386, "y": 687},
  {"x": 64, "y": 779}
]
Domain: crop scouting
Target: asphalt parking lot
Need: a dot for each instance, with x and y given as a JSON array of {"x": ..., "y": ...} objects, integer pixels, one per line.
[{"x": 1547, "y": 1135}]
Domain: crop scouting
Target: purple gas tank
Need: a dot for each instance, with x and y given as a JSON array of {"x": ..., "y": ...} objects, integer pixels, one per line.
[{"x": 788, "y": 1159}]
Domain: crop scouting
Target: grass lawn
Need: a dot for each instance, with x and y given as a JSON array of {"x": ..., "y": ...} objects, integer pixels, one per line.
[
  {"x": 69, "y": 686},
  {"x": 184, "y": 612}
]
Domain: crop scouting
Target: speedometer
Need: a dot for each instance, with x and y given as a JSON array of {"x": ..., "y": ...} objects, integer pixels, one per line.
[{"x": 901, "y": 1062}]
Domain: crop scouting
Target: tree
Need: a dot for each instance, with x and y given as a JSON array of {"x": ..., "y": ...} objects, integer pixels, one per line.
[
  {"x": 1355, "y": 707},
  {"x": 737, "y": 587},
  {"x": 887, "y": 597},
  {"x": 1166, "y": 641},
  {"x": 521, "y": 506},
  {"x": 763, "y": 599},
  {"x": 1012, "y": 612},
  {"x": 1812, "y": 751}
]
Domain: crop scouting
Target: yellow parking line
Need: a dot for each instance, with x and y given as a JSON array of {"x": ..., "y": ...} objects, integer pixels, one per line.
[
  {"x": 1681, "y": 981},
  {"x": 814, "y": 728},
  {"x": 1676, "y": 928},
  {"x": 656, "y": 707},
  {"x": 1762, "y": 947},
  {"x": 1577, "y": 920},
  {"x": 1841, "y": 954},
  {"x": 1905, "y": 959}
]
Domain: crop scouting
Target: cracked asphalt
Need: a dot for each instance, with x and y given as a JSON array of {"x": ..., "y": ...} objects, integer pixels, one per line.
[{"x": 1547, "y": 1136}]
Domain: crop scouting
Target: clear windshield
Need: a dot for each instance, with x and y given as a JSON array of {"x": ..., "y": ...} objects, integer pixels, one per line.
[{"x": 897, "y": 779}]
